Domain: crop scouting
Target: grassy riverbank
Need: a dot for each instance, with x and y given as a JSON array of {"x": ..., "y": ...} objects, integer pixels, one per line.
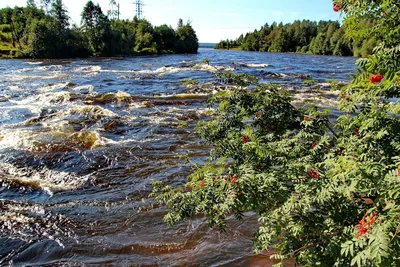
[{"x": 7, "y": 51}]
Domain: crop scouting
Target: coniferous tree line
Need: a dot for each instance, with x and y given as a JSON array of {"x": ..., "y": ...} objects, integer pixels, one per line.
[
  {"x": 45, "y": 32},
  {"x": 321, "y": 38}
]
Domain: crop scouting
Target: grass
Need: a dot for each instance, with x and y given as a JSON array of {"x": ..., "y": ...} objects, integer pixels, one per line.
[
  {"x": 231, "y": 48},
  {"x": 7, "y": 50},
  {"x": 5, "y": 46}
]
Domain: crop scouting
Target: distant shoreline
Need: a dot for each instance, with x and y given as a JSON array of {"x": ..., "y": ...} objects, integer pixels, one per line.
[{"x": 207, "y": 45}]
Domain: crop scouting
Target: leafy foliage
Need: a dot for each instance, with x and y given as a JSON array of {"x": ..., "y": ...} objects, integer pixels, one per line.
[
  {"x": 187, "y": 39},
  {"x": 42, "y": 34},
  {"x": 327, "y": 191}
]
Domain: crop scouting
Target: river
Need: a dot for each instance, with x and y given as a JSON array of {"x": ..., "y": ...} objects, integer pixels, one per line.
[{"x": 81, "y": 140}]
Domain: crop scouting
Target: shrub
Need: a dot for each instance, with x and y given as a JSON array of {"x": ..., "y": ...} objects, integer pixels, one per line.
[
  {"x": 327, "y": 193},
  {"x": 5, "y": 28},
  {"x": 5, "y": 37}
]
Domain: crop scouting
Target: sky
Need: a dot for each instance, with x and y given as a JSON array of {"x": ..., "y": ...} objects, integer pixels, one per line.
[{"x": 213, "y": 20}]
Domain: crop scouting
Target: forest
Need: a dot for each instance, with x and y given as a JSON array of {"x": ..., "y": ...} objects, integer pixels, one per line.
[
  {"x": 45, "y": 32},
  {"x": 320, "y": 38}
]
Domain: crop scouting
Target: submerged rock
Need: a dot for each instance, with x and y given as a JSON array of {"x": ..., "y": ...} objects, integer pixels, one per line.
[
  {"x": 86, "y": 139},
  {"x": 109, "y": 97}
]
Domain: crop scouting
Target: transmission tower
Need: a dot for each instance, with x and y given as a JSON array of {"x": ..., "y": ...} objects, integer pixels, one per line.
[
  {"x": 113, "y": 11},
  {"x": 139, "y": 11}
]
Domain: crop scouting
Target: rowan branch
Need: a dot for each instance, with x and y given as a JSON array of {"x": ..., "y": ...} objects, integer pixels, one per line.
[
  {"x": 306, "y": 247},
  {"x": 331, "y": 130},
  {"x": 396, "y": 233}
]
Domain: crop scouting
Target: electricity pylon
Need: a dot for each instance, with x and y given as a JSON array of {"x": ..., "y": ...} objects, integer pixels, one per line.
[
  {"x": 113, "y": 11},
  {"x": 139, "y": 8}
]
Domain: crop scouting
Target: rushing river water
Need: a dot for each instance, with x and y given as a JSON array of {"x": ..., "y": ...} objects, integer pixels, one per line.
[{"x": 81, "y": 140}]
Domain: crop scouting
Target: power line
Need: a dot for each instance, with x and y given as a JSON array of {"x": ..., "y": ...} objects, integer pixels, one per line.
[
  {"x": 139, "y": 8},
  {"x": 113, "y": 11}
]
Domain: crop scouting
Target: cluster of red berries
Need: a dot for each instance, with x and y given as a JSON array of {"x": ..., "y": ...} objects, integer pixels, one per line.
[
  {"x": 336, "y": 7},
  {"x": 234, "y": 180},
  {"x": 268, "y": 128},
  {"x": 364, "y": 226},
  {"x": 313, "y": 173},
  {"x": 245, "y": 139},
  {"x": 376, "y": 78}
]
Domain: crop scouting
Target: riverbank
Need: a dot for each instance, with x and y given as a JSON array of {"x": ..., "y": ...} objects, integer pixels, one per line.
[
  {"x": 7, "y": 51},
  {"x": 233, "y": 48}
]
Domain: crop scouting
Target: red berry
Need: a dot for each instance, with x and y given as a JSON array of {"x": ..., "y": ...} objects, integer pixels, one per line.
[
  {"x": 313, "y": 145},
  {"x": 187, "y": 188},
  {"x": 233, "y": 180},
  {"x": 337, "y": 8},
  {"x": 356, "y": 131},
  {"x": 202, "y": 183},
  {"x": 361, "y": 231},
  {"x": 376, "y": 78},
  {"x": 366, "y": 223},
  {"x": 245, "y": 139},
  {"x": 313, "y": 173}
]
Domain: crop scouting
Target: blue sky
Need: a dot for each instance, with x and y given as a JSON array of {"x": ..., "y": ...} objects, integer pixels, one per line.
[{"x": 213, "y": 20}]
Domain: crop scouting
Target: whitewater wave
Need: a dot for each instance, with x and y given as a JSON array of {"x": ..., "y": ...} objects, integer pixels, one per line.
[
  {"x": 176, "y": 69},
  {"x": 55, "y": 137},
  {"x": 321, "y": 98},
  {"x": 84, "y": 113},
  {"x": 40, "y": 68},
  {"x": 250, "y": 65},
  {"x": 34, "y": 62},
  {"x": 53, "y": 87},
  {"x": 37, "y": 103},
  {"x": 18, "y": 77},
  {"x": 84, "y": 89},
  {"x": 41, "y": 179},
  {"x": 93, "y": 68}
]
